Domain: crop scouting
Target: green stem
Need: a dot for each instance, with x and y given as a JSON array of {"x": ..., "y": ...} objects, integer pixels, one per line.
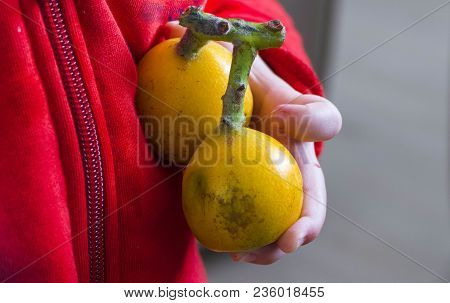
[
  {"x": 247, "y": 38},
  {"x": 233, "y": 101},
  {"x": 202, "y": 27},
  {"x": 190, "y": 45}
]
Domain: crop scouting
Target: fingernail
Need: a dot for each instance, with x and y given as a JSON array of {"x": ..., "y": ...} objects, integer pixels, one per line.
[
  {"x": 243, "y": 257},
  {"x": 300, "y": 242},
  {"x": 235, "y": 257},
  {"x": 248, "y": 258}
]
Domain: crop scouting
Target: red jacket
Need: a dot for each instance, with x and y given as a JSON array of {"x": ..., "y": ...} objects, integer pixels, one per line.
[{"x": 72, "y": 151}]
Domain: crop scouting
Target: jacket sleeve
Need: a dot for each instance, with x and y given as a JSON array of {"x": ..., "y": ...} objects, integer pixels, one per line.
[{"x": 290, "y": 62}]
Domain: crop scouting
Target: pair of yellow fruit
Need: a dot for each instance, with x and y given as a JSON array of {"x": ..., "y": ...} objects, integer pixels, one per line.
[{"x": 241, "y": 188}]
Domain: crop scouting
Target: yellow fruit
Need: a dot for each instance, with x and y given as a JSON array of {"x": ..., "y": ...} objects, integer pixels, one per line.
[
  {"x": 241, "y": 190},
  {"x": 180, "y": 100}
]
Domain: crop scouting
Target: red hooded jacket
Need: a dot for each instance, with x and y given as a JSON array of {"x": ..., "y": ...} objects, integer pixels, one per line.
[{"x": 72, "y": 151}]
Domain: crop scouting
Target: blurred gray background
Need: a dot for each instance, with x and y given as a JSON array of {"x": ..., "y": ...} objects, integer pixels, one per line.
[{"x": 388, "y": 170}]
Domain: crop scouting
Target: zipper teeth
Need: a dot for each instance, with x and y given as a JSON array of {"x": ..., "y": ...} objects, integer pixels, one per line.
[{"x": 89, "y": 142}]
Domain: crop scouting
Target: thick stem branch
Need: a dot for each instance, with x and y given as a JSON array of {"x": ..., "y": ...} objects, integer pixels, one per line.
[
  {"x": 190, "y": 45},
  {"x": 247, "y": 38}
]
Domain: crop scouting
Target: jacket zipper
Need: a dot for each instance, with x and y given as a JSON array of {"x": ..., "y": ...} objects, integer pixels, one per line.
[{"x": 87, "y": 136}]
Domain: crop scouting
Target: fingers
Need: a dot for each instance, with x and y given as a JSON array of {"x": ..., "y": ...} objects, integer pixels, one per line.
[
  {"x": 305, "y": 118},
  {"x": 309, "y": 118},
  {"x": 307, "y": 228},
  {"x": 173, "y": 29},
  {"x": 269, "y": 90},
  {"x": 263, "y": 256}
]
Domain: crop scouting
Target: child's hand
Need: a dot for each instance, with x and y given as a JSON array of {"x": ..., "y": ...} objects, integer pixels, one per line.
[{"x": 306, "y": 118}]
